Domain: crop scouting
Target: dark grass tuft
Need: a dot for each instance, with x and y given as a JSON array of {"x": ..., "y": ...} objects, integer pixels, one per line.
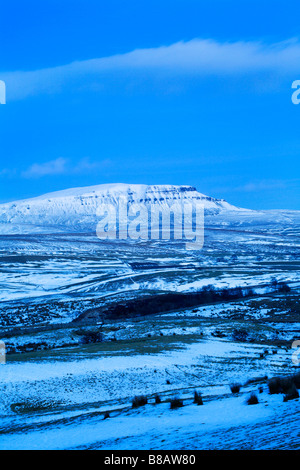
[
  {"x": 280, "y": 384},
  {"x": 252, "y": 400},
  {"x": 296, "y": 380},
  {"x": 235, "y": 388},
  {"x": 176, "y": 403},
  {"x": 139, "y": 401},
  {"x": 198, "y": 398},
  {"x": 291, "y": 394}
]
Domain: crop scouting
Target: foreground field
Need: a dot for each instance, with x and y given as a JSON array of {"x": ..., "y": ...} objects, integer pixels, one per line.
[
  {"x": 58, "y": 398},
  {"x": 66, "y": 372}
]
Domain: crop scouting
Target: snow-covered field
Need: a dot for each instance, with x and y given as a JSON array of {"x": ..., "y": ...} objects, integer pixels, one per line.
[
  {"x": 57, "y": 385},
  {"x": 59, "y": 402}
]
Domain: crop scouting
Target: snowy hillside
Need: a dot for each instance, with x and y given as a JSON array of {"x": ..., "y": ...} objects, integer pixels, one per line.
[{"x": 75, "y": 210}]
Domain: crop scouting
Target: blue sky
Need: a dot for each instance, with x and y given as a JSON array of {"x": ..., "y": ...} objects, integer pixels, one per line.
[{"x": 153, "y": 92}]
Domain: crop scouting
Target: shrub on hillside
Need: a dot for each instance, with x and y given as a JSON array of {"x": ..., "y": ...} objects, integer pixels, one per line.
[
  {"x": 90, "y": 336},
  {"x": 252, "y": 400},
  {"x": 296, "y": 379},
  {"x": 198, "y": 398},
  {"x": 157, "y": 399},
  {"x": 240, "y": 335},
  {"x": 139, "y": 401},
  {"x": 176, "y": 403},
  {"x": 280, "y": 384},
  {"x": 291, "y": 394},
  {"x": 235, "y": 388}
]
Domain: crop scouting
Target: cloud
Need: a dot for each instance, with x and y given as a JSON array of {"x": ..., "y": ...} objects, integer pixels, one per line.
[
  {"x": 63, "y": 166},
  {"x": 53, "y": 167},
  {"x": 262, "y": 186},
  {"x": 198, "y": 57},
  {"x": 87, "y": 166},
  {"x": 7, "y": 172},
  {"x": 259, "y": 186}
]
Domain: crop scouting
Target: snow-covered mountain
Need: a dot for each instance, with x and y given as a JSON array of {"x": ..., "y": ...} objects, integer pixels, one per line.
[{"x": 75, "y": 210}]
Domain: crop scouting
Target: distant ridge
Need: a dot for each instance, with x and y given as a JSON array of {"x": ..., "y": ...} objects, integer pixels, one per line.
[{"x": 74, "y": 210}]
